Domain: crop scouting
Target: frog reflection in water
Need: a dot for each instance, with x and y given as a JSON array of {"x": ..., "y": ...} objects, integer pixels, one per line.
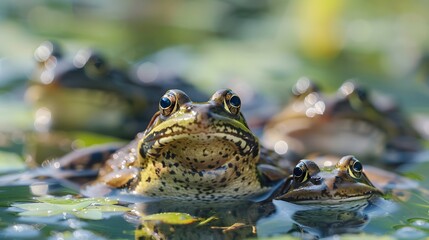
[
  {"x": 329, "y": 124},
  {"x": 343, "y": 182},
  {"x": 196, "y": 151}
]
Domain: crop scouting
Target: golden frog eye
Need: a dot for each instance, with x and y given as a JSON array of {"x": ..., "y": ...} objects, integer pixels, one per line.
[
  {"x": 233, "y": 103},
  {"x": 355, "y": 168},
  {"x": 167, "y": 104},
  {"x": 300, "y": 172}
]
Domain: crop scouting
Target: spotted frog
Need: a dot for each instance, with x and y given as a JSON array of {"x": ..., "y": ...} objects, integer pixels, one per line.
[
  {"x": 350, "y": 122},
  {"x": 328, "y": 184},
  {"x": 193, "y": 151}
]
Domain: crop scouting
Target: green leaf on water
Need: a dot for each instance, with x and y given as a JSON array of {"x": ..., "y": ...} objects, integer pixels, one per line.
[
  {"x": 109, "y": 208},
  {"x": 41, "y": 213},
  {"x": 86, "y": 208},
  {"x": 175, "y": 218},
  {"x": 56, "y": 200},
  {"x": 90, "y": 214},
  {"x": 33, "y": 206}
]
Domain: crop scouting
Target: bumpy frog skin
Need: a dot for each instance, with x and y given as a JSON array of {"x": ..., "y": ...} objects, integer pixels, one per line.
[
  {"x": 350, "y": 122},
  {"x": 343, "y": 182},
  {"x": 198, "y": 151}
]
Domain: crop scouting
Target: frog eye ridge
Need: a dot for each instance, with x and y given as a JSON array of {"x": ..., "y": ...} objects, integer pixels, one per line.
[
  {"x": 167, "y": 104},
  {"x": 232, "y": 102}
]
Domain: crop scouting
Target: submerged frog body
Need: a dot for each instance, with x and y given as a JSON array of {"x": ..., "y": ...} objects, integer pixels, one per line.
[
  {"x": 314, "y": 183},
  {"x": 201, "y": 151},
  {"x": 350, "y": 122}
]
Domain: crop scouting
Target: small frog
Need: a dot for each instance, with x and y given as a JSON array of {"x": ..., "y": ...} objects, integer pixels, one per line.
[
  {"x": 343, "y": 182},
  {"x": 193, "y": 151},
  {"x": 350, "y": 122}
]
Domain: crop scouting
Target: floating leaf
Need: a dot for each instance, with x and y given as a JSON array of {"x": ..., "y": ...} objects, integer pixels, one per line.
[
  {"x": 41, "y": 213},
  {"x": 90, "y": 214},
  {"x": 33, "y": 206},
  {"x": 171, "y": 218},
  {"x": 87, "y": 208},
  {"x": 109, "y": 208},
  {"x": 55, "y": 200}
]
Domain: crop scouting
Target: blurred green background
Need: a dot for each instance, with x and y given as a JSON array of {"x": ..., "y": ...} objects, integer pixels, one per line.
[
  {"x": 266, "y": 44},
  {"x": 269, "y": 44}
]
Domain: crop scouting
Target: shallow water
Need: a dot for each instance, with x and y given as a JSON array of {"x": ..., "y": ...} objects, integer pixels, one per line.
[{"x": 403, "y": 218}]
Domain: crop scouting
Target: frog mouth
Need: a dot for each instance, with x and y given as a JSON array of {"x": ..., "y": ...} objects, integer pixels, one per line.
[{"x": 324, "y": 197}]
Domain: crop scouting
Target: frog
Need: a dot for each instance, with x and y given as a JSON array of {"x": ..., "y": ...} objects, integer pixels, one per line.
[
  {"x": 316, "y": 122},
  {"x": 193, "y": 151},
  {"x": 329, "y": 194},
  {"x": 74, "y": 94},
  {"x": 328, "y": 184}
]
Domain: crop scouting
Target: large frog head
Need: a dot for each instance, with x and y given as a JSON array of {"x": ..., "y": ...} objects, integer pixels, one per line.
[
  {"x": 199, "y": 150},
  {"x": 344, "y": 182},
  {"x": 314, "y": 122}
]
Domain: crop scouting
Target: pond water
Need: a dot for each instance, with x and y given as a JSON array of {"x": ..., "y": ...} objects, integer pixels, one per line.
[{"x": 404, "y": 215}]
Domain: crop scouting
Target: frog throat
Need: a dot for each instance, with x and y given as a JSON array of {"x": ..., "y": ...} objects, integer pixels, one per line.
[{"x": 198, "y": 150}]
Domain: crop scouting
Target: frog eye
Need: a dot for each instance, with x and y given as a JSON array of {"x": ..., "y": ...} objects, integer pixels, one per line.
[
  {"x": 355, "y": 168},
  {"x": 232, "y": 102},
  {"x": 300, "y": 172},
  {"x": 167, "y": 104}
]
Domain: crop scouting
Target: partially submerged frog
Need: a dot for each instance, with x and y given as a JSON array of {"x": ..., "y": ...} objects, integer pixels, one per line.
[
  {"x": 350, "y": 122},
  {"x": 73, "y": 95},
  {"x": 343, "y": 182},
  {"x": 192, "y": 151}
]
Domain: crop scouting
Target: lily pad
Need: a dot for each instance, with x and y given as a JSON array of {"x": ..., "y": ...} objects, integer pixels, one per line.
[
  {"x": 86, "y": 208},
  {"x": 67, "y": 201}
]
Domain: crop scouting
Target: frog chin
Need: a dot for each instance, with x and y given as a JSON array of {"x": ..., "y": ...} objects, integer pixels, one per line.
[{"x": 205, "y": 151}]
